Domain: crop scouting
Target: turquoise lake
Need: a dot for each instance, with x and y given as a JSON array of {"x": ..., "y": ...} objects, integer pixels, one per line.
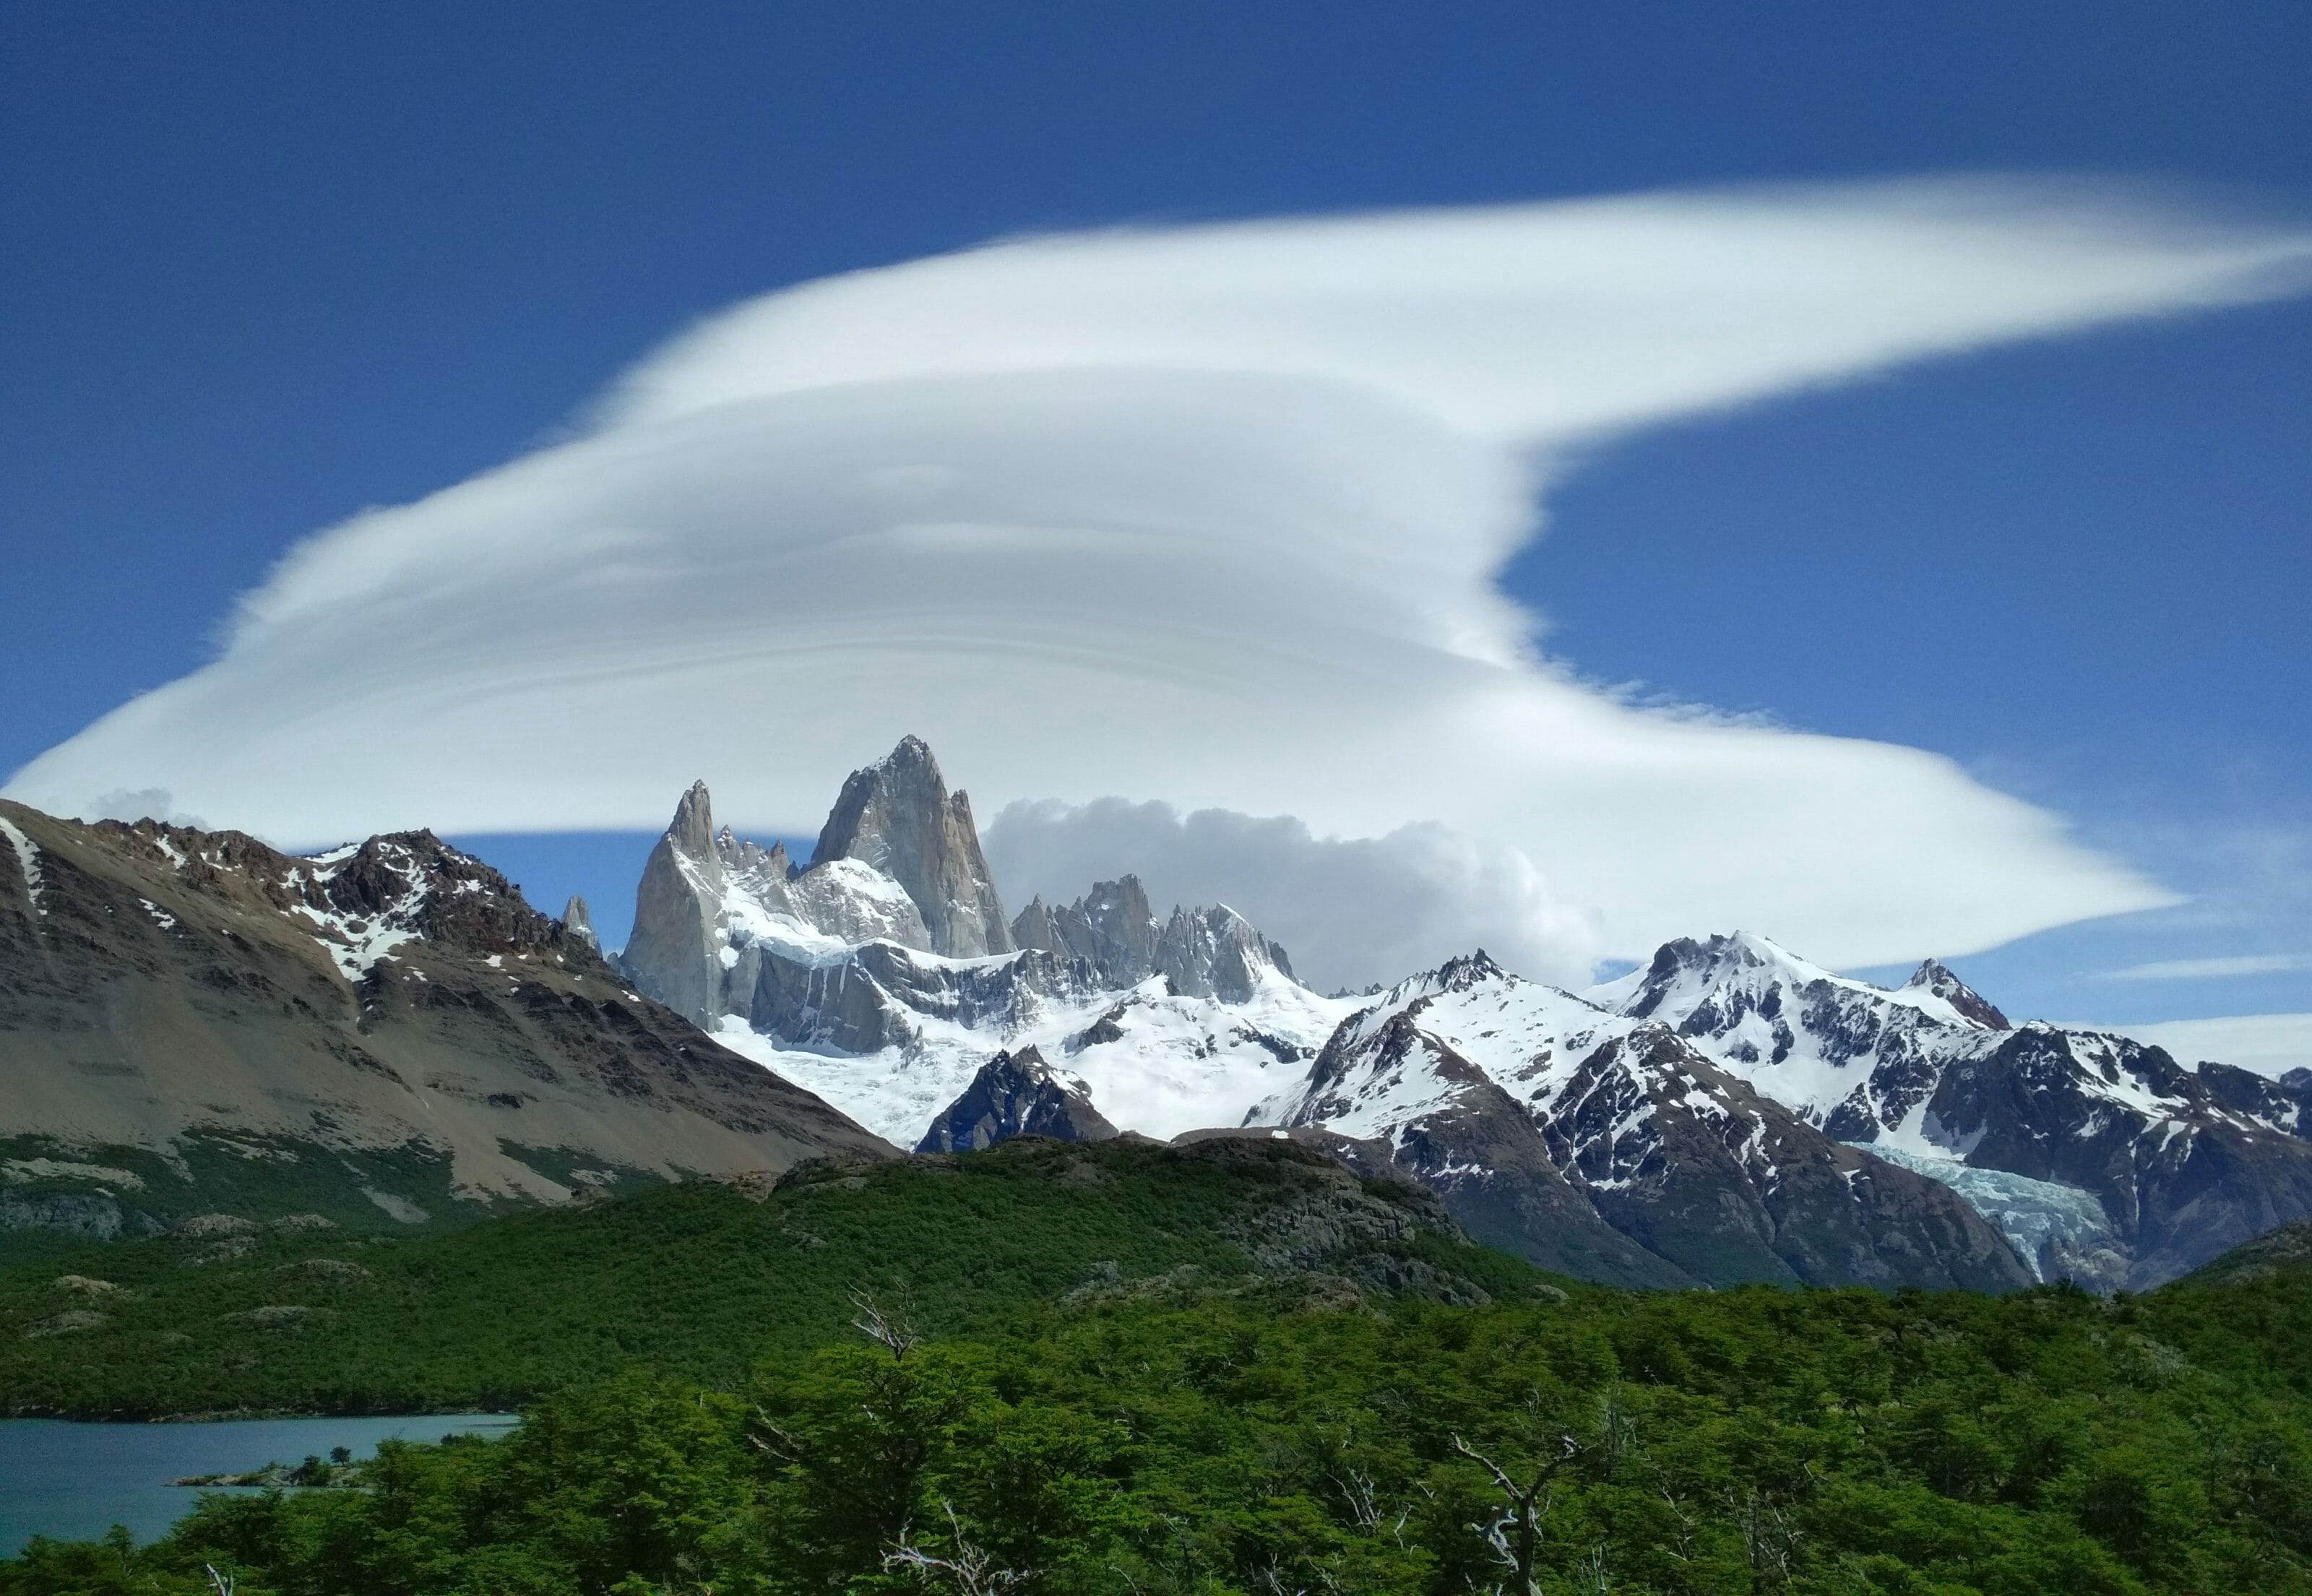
[{"x": 72, "y": 1481}]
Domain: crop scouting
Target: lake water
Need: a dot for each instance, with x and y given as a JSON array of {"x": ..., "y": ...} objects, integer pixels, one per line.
[{"x": 73, "y": 1481}]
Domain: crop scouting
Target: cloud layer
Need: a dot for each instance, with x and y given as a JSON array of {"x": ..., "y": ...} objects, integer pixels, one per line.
[{"x": 1207, "y": 517}]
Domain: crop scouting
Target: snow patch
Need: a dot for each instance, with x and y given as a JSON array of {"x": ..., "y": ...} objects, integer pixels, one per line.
[{"x": 28, "y": 860}]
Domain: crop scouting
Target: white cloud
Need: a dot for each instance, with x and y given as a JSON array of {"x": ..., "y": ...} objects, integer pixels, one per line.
[
  {"x": 2196, "y": 970},
  {"x": 2268, "y": 1044},
  {"x": 1205, "y": 515},
  {"x": 1350, "y": 912}
]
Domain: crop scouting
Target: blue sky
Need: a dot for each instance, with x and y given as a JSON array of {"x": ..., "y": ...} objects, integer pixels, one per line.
[{"x": 266, "y": 267}]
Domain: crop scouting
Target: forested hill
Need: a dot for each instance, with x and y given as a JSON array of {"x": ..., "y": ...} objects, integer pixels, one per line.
[
  {"x": 1142, "y": 1371},
  {"x": 705, "y": 1278},
  {"x": 1747, "y": 1441}
]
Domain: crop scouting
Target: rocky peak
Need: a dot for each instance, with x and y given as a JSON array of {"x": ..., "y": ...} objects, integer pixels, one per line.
[
  {"x": 1111, "y": 927},
  {"x": 692, "y": 830},
  {"x": 1017, "y": 1094},
  {"x": 898, "y": 816},
  {"x": 1465, "y": 970},
  {"x": 1935, "y": 977},
  {"x": 673, "y": 952},
  {"x": 579, "y": 922},
  {"x": 1216, "y": 953}
]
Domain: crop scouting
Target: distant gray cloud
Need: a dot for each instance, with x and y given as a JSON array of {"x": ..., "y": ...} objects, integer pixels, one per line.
[
  {"x": 2196, "y": 970},
  {"x": 1210, "y": 515},
  {"x": 1350, "y": 912},
  {"x": 153, "y": 803}
]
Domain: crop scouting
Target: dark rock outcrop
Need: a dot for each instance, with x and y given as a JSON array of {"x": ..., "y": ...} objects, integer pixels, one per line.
[
  {"x": 1016, "y": 1094},
  {"x": 1935, "y": 977}
]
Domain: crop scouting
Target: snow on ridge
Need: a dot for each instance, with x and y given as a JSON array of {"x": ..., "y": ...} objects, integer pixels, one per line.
[
  {"x": 28, "y": 860},
  {"x": 1528, "y": 1038},
  {"x": 1173, "y": 1064},
  {"x": 355, "y": 941}
]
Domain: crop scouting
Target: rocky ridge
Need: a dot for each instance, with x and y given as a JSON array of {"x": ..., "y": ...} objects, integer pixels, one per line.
[
  {"x": 1517, "y": 1101},
  {"x": 386, "y": 1028}
]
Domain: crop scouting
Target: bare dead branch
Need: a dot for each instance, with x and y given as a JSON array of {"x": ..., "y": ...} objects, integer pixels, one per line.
[
  {"x": 893, "y": 1329},
  {"x": 971, "y": 1571}
]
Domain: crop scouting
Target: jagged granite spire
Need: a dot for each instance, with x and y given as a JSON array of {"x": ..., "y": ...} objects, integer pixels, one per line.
[
  {"x": 580, "y": 922},
  {"x": 1202, "y": 952},
  {"x": 672, "y": 954},
  {"x": 898, "y": 816},
  {"x": 1111, "y": 927},
  {"x": 692, "y": 830}
]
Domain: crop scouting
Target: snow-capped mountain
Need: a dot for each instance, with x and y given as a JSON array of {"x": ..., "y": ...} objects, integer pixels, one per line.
[
  {"x": 1703, "y": 1119},
  {"x": 2182, "y": 1163},
  {"x": 1611, "y": 1146},
  {"x": 192, "y": 1020},
  {"x": 881, "y": 974}
]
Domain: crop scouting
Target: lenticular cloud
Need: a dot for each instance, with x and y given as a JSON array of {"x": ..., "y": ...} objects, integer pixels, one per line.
[{"x": 1205, "y": 517}]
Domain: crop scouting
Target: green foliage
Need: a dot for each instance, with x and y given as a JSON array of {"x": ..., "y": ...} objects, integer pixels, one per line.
[
  {"x": 1078, "y": 1378},
  {"x": 696, "y": 1279},
  {"x": 1747, "y": 1441}
]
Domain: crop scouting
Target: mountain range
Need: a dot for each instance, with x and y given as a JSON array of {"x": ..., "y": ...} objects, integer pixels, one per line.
[{"x": 1726, "y": 1112}]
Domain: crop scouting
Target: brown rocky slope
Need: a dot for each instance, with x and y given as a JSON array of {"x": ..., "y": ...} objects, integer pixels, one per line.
[{"x": 192, "y": 1022}]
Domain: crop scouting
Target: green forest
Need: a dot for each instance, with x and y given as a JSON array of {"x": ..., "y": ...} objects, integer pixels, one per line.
[{"x": 1196, "y": 1407}]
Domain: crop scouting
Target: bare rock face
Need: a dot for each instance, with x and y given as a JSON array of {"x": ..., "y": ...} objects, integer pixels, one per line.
[
  {"x": 1111, "y": 927},
  {"x": 578, "y": 920},
  {"x": 673, "y": 952},
  {"x": 898, "y": 816},
  {"x": 1016, "y": 1094},
  {"x": 1216, "y": 953}
]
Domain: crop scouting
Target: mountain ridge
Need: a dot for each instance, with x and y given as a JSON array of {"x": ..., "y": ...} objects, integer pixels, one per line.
[{"x": 386, "y": 1028}]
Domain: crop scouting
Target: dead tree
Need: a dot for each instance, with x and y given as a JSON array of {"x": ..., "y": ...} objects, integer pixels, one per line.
[
  {"x": 1516, "y": 1536},
  {"x": 892, "y": 1329},
  {"x": 971, "y": 1571}
]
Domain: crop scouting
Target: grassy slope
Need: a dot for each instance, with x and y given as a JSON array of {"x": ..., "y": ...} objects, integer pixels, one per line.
[{"x": 696, "y": 1279}]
